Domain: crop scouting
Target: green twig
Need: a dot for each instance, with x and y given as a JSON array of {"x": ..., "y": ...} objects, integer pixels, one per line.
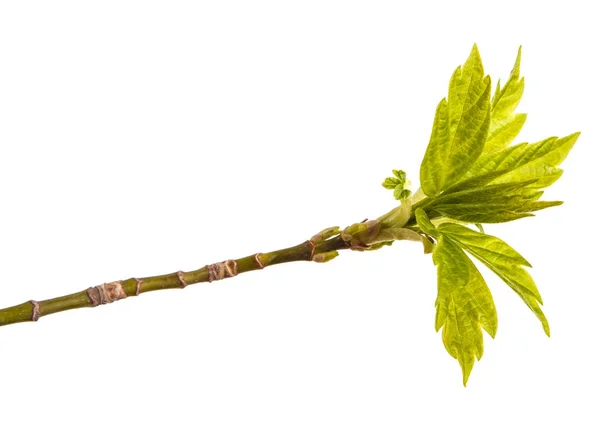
[{"x": 31, "y": 311}]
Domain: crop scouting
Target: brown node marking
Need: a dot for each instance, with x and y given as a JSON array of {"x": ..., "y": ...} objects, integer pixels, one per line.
[
  {"x": 138, "y": 286},
  {"x": 106, "y": 293},
  {"x": 312, "y": 249},
  {"x": 35, "y": 311},
  {"x": 222, "y": 270},
  {"x": 231, "y": 268},
  {"x": 257, "y": 260},
  {"x": 181, "y": 279},
  {"x": 94, "y": 296}
]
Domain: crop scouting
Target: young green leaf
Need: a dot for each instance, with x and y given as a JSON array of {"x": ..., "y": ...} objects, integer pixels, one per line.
[
  {"x": 505, "y": 125},
  {"x": 400, "y": 193},
  {"x": 487, "y": 204},
  {"x": 526, "y": 161},
  {"x": 460, "y": 127},
  {"x": 537, "y": 160},
  {"x": 425, "y": 224},
  {"x": 464, "y": 305},
  {"x": 511, "y": 208},
  {"x": 397, "y": 183},
  {"x": 391, "y": 183},
  {"x": 506, "y": 100},
  {"x": 502, "y": 134},
  {"x": 481, "y": 194},
  {"x": 479, "y": 243},
  {"x": 400, "y": 174},
  {"x": 503, "y": 260}
]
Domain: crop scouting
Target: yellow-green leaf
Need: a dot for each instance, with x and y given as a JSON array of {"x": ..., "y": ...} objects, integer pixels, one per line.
[
  {"x": 424, "y": 223},
  {"x": 502, "y": 134},
  {"x": 505, "y": 125},
  {"x": 464, "y": 305},
  {"x": 506, "y": 100},
  {"x": 460, "y": 127},
  {"x": 537, "y": 160},
  {"x": 488, "y": 203},
  {"x": 522, "y": 162},
  {"x": 477, "y": 241},
  {"x": 497, "y": 212},
  {"x": 503, "y": 260},
  {"x": 481, "y": 194}
]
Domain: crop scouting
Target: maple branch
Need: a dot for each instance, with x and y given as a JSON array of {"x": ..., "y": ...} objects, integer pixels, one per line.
[{"x": 31, "y": 311}]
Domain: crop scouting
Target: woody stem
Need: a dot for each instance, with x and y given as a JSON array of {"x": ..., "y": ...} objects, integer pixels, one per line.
[{"x": 110, "y": 292}]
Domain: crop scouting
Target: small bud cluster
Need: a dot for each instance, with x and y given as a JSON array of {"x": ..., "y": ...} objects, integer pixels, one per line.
[{"x": 398, "y": 183}]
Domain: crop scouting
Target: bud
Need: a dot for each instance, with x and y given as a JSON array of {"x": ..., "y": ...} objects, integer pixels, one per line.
[
  {"x": 325, "y": 257},
  {"x": 325, "y": 234},
  {"x": 361, "y": 235}
]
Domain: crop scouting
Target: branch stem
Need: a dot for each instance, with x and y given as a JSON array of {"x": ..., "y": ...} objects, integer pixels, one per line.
[{"x": 110, "y": 292}]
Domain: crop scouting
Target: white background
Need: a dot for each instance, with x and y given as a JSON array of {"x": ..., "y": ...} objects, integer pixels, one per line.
[{"x": 140, "y": 138}]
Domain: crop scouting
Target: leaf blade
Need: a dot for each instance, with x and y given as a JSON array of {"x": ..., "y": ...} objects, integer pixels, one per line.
[
  {"x": 523, "y": 161},
  {"x": 503, "y": 260},
  {"x": 538, "y": 160},
  {"x": 424, "y": 223},
  {"x": 432, "y": 181},
  {"x": 507, "y": 99},
  {"x": 464, "y": 305},
  {"x": 460, "y": 127},
  {"x": 505, "y": 125},
  {"x": 478, "y": 239},
  {"x": 502, "y": 134}
]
